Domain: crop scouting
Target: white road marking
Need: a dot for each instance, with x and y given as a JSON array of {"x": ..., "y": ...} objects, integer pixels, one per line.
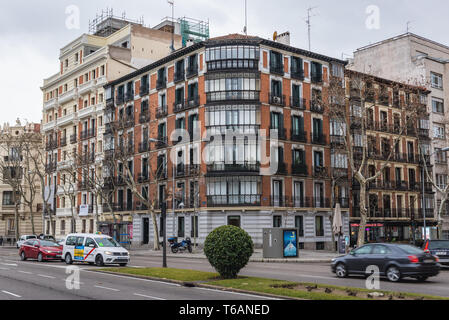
[
  {"x": 3, "y": 268},
  {"x": 12, "y": 294},
  {"x": 149, "y": 297},
  {"x": 237, "y": 293},
  {"x": 138, "y": 279},
  {"x": 45, "y": 276},
  {"x": 26, "y": 272},
  {"x": 106, "y": 288},
  {"x": 9, "y": 264}
]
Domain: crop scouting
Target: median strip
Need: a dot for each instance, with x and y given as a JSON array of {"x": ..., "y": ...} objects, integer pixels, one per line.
[{"x": 266, "y": 287}]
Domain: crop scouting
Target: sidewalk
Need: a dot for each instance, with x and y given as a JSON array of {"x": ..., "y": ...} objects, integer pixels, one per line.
[{"x": 305, "y": 256}]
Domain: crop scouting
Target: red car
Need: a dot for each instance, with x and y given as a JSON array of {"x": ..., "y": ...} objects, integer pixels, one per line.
[{"x": 41, "y": 250}]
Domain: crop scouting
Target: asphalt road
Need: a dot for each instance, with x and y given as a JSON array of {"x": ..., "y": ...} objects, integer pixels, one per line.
[
  {"x": 30, "y": 280},
  {"x": 33, "y": 280}
]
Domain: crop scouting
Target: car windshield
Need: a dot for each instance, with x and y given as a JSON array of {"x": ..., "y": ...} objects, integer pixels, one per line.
[
  {"x": 31, "y": 237},
  {"x": 49, "y": 244},
  {"x": 439, "y": 245},
  {"x": 107, "y": 242},
  {"x": 410, "y": 249}
]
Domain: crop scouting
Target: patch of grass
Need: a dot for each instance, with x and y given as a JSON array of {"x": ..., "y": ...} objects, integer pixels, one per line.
[
  {"x": 317, "y": 291},
  {"x": 167, "y": 273}
]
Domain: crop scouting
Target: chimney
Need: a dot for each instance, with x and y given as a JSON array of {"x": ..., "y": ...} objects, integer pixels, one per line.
[{"x": 284, "y": 38}]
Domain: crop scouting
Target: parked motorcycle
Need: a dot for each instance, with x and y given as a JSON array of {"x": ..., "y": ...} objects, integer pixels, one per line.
[{"x": 180, "y": 246}]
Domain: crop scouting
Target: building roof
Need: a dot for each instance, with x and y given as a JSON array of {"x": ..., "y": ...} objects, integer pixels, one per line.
[
  {"x": 401, "y": 36},
  {"x": 228, "y": 39}
]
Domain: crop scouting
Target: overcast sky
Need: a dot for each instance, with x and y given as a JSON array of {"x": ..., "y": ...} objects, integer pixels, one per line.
[{"x": 32, "y": 32}]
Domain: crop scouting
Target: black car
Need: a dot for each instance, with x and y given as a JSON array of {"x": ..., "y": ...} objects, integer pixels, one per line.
[
  {"x": 395, "y": 261},
  {"x": 439, "y": 248}
]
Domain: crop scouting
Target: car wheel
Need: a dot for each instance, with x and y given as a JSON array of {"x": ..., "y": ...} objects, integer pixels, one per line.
[
  {"x": 341, "y": 270},
  {"x": 422, "y": 278},
  {"x": 23, "y": 256},
  {"x": 393, "y": 274},
  {"x": 40, "y": 257},
  {"x": 174, "y": 250},
  {"x": 68, "y": 259},
  {"x": 99, "y": 261}
]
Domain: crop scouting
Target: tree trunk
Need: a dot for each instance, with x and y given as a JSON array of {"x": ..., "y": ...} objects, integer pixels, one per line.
[
  {"x": 363, "y": 215},
  {"x": 156, "y": 246},
  {"x": 16, "y": 218},
  {"x": 33, "y": 231},
  {"x": 440, "y": 220}
]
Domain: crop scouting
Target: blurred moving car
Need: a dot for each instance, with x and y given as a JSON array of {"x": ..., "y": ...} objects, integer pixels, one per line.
[
  {"x": 94, "y": 249},
  {"x": 47, "y": 237},
  {"x": 395, "y": 261},
  {"x": 439, "y": 248},
  {"x": 41, "y": 250},
  {"x": 24, "y": 238}
]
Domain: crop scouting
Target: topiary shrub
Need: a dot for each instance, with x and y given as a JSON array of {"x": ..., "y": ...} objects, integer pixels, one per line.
[{"x": 228, "y": 250}]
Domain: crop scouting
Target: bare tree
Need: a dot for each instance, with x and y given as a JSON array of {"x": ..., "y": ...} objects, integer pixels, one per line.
[{"x": 356, "y": 116}]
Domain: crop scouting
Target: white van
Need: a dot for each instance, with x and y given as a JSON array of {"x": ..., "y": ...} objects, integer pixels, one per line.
[{"x": 94, "y": 249}]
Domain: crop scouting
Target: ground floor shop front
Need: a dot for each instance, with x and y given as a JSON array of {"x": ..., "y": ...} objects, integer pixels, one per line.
[{"x": 394, "y": 231}]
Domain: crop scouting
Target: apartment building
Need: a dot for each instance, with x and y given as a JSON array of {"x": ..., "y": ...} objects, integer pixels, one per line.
[
  {"x": 414, "y": 59},
  {"x": 73, "y": 109},
  {"x": 238, "y": 90},
  {"x": 394, "y": 136},
  {"x": 13, "y": 166}
]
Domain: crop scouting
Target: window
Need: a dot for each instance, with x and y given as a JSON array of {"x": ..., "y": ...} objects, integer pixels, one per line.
[
  {"x": 363, "y": 250},
  {"x": 436, "y": 80},
  {"x": 62, "y": 225},
  {"x": 194, "y": 227},
  {"x": 299, "y": 224},
  {"x": 71, "y": 241},
  {"x": 234, "y": 221},
  {"x": 181, "y": 227},
  {"x": 437, "y": 105},
  {"x": 79, "y": 241},
  {"x": 90, "y": 242},
  {"x": 277, "y": 221},
  {"x": 441, "y": 180},
  {"x": 439, "y": 131},
  {"x": 8, "y": 198},
  {"x": 319, "y": 227}
]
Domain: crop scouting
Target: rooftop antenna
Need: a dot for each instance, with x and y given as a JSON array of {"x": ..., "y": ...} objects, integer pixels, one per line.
[
  {"x": 172, "y": 3},
  {"x": 245, "y": 30},
  {"x": 309, "y": 11},
  {"x": 408, "y": 26}
]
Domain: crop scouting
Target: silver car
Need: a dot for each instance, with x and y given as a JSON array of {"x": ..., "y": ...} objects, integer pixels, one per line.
[{"x": 24, "y": 238}]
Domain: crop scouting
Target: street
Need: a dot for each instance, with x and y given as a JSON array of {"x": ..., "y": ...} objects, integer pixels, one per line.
[
  {"x": 30, "y": 280},
  {"x": 47, "y": 281}
]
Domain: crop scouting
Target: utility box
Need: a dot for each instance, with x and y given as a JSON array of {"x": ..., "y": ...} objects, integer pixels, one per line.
[{"x": 280, "y": 243}]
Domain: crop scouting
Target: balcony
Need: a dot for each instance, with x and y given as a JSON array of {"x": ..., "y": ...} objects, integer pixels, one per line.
[
  {"x": 161, "y": 111},
  {"x": 144, "y": 89},
  {"x": 179, "y": 76},
  {"x": 73, "y": 138},
  {"x": 298, "y": 136},
  {"x": 233, "y": 95},
  {"x": 316, "y": 78},
  {"x": 50, "y": 167},
  {"x": 228, "y": 168},
  {"x": 187, "y": 170},
  {"x": 320, "y": 172},
  {"x": 143, "y": 177},
  {"x": 129, "y": 95},
  {"x": 162, "y": 143},
  {"x": 52, "y": 103},
  {"x": 88, "y": 134},
  {"x": 340, "y": 172},
  {"x": 281, "y": 133},
  {"x": 192, "y": 71},
  {"x": 318, "y": 139},
  {"x": 86, "y": 87},
  {"x": 277, "y": 100},
  {"x": 277, "y": 69},
  {"x": 337, "y": 141},
  {"x": 161, "y": 83},
  {"x": 51, "y": 145},
  {"x": 316, "y": 106},
  {"x": 144, "y": 147},
  {"x": 240, "y": 200},
  {"x": 344, "y": 202},
  {"x": 300, "y": 169},
  {"x": 318, "y": 202},
  {"x": 87, "y": 158},
  {"x": 83, "y": 185},
  {"x": 68, "y": 96},
  {"x": 298, "y": 75},
  {"x": 125, "y": 122},
  {"x": 144, "y": 117},
  {"x": 281, "y": 168},
  {"x": 161, "y": 174},
  {"x": 63, "y": 142},
  {"x": 298, "y": 103},
  {"x": 120, "y": 99},
  {"x": 424, "y": 133}
]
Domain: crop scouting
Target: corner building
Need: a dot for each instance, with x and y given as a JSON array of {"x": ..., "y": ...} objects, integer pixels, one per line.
[{"x": 233, "y": 85}]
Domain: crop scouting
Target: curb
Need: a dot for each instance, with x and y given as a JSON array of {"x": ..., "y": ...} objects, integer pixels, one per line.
[
  {"x": 200, "y": 285},
  {"x": 264, "y": 260}
]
